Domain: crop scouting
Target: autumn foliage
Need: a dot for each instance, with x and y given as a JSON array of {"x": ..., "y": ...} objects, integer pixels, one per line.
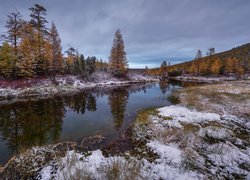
[{"x": 30, "y": 49}]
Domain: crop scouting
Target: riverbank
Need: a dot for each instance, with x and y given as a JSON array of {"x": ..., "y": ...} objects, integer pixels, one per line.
[
  {"x": 11, "y": 91},
  {"x": 205, "y": 135},
  {"x": 189, "y": 78}
]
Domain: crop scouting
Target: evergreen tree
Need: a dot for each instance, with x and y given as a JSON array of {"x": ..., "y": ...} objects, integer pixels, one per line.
[
  {"x": 118, "y": 64},
  {"x": 90, "y": 65},
  {"x": 82, "y": 64}
]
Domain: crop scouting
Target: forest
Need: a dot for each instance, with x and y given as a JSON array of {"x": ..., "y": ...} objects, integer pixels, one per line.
[
  {"x": 32, "y": 49},
  {"x": 233, "y": 62}
]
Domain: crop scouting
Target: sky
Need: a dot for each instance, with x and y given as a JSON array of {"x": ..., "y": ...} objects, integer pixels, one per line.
[{"x": 153, "y": 30}]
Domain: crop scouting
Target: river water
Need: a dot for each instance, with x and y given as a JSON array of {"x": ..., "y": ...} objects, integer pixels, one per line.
[{"x": 100, "y": 111}]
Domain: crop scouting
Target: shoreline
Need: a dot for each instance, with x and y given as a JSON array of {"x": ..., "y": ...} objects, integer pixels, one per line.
[
  {"x": 172, "y": 137},
  {"x": 64, "y": 86}
]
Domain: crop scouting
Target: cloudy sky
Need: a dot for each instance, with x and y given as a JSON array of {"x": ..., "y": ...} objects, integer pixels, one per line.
[{"x": 153, "y": 31}]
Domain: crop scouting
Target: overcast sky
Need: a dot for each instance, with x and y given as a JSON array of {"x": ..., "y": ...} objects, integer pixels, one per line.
[{"x": 153, "y": 30}]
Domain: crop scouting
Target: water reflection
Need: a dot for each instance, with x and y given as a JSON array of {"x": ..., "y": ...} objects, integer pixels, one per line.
[
  {"x": 117, "y": 101},
  {"x": 28, "y": 124},
  {"x": 74, "y": 117},
  {"x": 164, "y": 85}
]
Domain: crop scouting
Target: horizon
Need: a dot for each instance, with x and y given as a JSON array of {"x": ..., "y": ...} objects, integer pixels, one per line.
[{"x": 152, "y": 32}]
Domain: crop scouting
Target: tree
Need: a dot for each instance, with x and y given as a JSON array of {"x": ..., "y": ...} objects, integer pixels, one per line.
[
  {"x": 14, "y": 25},
  {"x": 38, "y": 21},
  {"x": 71, "y": 56},
  {"x": 163, "y": 69},
  {"x": 118, "y": 64},
  {"x": 193, "y": 69},
  {"x": 57, "y": 59},
  {"x": 7, "y": 60},
  {"x": 229, "y": 65},
  {"x": 198, "y": 54},
  {"x": 216, "y": 67},
  {"x": 211, "y": 51},
  {"x": 90, "y": 65}
]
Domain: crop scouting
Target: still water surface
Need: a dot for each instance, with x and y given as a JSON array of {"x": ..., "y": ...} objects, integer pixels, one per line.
[{"x": 72, "y": 118}]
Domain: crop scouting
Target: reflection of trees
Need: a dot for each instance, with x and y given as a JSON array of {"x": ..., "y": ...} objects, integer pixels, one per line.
[
  {"x": 118, "y": 99},
  {"x": 32, "y": 123},
  {"x": 80, "y": 102},
  {"x": 91, "y": 103},
  {"x": 163, "y": 86}
]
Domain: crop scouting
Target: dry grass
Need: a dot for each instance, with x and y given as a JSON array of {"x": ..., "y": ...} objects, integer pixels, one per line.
[{"x": 230, "y": 97}]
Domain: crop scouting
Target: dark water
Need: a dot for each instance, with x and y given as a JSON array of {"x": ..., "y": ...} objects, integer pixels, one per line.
[{"x": 72, "y": 118}]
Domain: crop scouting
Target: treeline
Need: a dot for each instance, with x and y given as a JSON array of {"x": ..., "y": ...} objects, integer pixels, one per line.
[
  {"x": 233, "y": 62},
  {"x": 30, "y": 48}
]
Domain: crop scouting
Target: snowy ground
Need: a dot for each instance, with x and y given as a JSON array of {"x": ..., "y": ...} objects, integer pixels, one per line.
[
  {"x": 204, "y": 78},
  {"x": 174, "y": 142},
  {"x": 64, "y": 85}
]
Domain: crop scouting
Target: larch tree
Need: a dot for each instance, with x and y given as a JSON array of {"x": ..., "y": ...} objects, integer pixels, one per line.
[
  {"x": 198, "y": 54},
  {"x": 211, "y": 51},
  {"x": 13, "y": 26},
  {"x": 229, "y": 65},
  {"x": 57, "y": 58},
  {"x": 38, "y": 21},
  {"x": 6, "y": 60},
  {"x": 26, "y": 63},
  {"x": 216, "y": 67},
  {"x": 118, "y": 64}
]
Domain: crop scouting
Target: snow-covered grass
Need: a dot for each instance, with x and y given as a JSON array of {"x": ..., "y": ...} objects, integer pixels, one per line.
[
  {"x": 64, "y": 85},
  {"x": 224, "y": 98},
  {"x": 204, "y": 78},
  {"x": 185, "y": 141}
]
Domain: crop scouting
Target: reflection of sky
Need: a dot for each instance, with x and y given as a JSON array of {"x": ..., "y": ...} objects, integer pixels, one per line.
[{"x": 76, "y": 127}]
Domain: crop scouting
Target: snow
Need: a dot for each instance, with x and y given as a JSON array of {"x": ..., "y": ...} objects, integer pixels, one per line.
[
  {"x": 181, "y": 114},
  {"x": 173, "y": 156},
  {"x": 205, "y": 79},
  {"x": 68, "y": 84}
]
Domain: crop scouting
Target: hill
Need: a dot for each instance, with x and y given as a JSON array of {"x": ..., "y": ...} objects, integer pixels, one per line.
[{"x": 234, "y": 61}]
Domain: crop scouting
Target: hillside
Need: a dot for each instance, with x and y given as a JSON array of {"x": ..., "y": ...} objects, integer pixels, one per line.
[{"x": 234, "y": 61}]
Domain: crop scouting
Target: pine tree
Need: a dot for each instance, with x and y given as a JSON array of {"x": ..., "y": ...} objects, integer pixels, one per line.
[
  {"x": 118, "y": 64},
  {"x": 90, "y": 65}
]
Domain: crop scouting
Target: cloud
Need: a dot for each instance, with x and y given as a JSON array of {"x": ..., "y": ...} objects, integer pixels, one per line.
[{"x": 153, "y": 31}]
